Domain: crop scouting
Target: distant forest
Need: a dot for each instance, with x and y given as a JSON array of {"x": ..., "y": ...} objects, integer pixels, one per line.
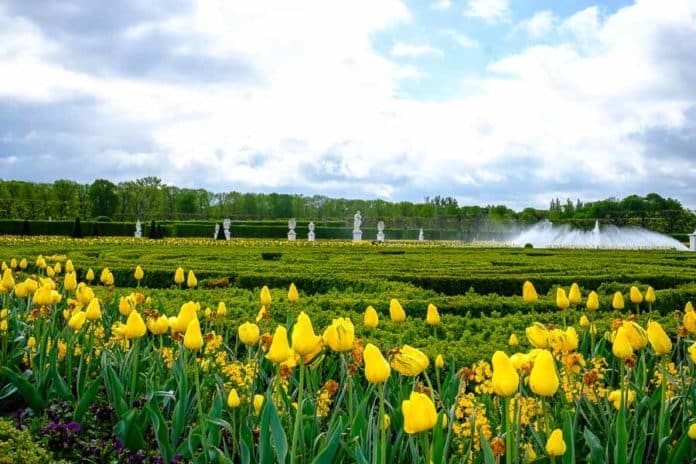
[{"x": 148, "y": 198}]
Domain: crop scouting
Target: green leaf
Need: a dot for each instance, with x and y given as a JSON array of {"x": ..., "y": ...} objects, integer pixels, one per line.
[
  {"x": 30, "y": 394},
  {"x": 621, "y": 444},
  {"x": 86, "y": 400},
  {"x": 678, "y": 454},
  {"x": 328, "y": 451},
  {"x": 488, "y": 457},
  {"x": 278, "y": 438},
  {"x": 568, "y": 436},
  {"x": 159, "y": 425},
  {"x": 596, "y": 455}
]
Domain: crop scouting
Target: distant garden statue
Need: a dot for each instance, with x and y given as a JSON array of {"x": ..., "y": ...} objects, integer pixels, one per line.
[
  {"x": 310, "y": 234},
  {"x": 226, "y": 224},
  {"x": 357, "y": 222},
  {"x": 292, "y": 223},
  {"x": 380, "y": 231},
  {"x": 138, "y": 229}
]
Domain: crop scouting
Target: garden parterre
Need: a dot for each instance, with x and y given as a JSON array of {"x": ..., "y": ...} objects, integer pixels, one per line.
[{"x": 186, "y": 372}]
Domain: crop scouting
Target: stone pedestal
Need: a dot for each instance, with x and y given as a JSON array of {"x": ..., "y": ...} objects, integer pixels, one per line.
[
  {"x": 292, "y": 235},
  {"x": 420, "y": 235},
  {"x": 310, "y": 236},
  {"x": 357, "y": 235},
  {"x": 692, "y": 241},
  {"x": 380, "y": 236}
]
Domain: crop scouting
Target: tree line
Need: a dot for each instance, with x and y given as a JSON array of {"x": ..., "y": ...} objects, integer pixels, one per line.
[{"x": 148, "y": 198}]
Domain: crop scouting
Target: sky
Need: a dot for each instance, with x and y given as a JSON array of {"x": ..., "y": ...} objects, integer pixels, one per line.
[{"x": 489, "y": 101}]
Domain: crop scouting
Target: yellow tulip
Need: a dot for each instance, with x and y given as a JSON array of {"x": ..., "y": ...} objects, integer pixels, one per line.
[
  {"x": 561, "y": 299},
  {"x": 689, "y": 319},
  {"x": 637, "y": 336},
  {"x": 187, "y": 313},
  {"x": 377, "y": 368},
  {"x": 618, "y": 301},
  {"x": 692, "y": 352},
  {"x": 249, "y": 333},
  {"x": 221, "y": 309},
  {"x": 505, "y": 379},
  {"x": 13, "y": 263},
  {"x": 339, "y": 336},
  {"x": 555, "y": 446},
  {"x": 89, "y": 277},
  {"x": 439, "y": 361},
  {"x": 84, "y": 294},
  {"x": 7, "y": 279},
  {"x": 537, "y": 335},
  {"x": 635, "y": 295},
  {"x": 94, "y": 310},
  {"x": 135, "y": 326},
  {"x": 191, "y": 281},
  {"x": 21, "y": 290},
  {"x": 3, "y": 325},
  {"x": 574, "y": 295},
  {"x": 104, "y": 277},
  {"x": 419, "y": 413},
  {"x": 513, "y": 341},
  {"x": 40, "y": 262},
  {"x": 371, "y": 318},
  {"x": 50, "y": 272},
  {"x": 615, "y": 397},
  {"x": 32, "y": 286},
  {"x": 543, "y": 379},
  {"x": 592, "y": 301},
  {"x": 280, "y": 348},
  {"x": 304, "y": 340},
  {"x": 396, "y": 312},
  {"x": 179, "y": 276},
  {"x": 584, "y": 322},
  {"x": 689, "y": 307},
  {"x": 125, "y": 306},
  {"x": 57, "y": 268},
  {"x": 692, "y": 431},
  {"x": 158, "y": 326},
  {"x": 658, "y": 338},
  {"x": 386, "y": 421},
  {"x": 43, "y": 296},
  {"x": 621, "y": 347},
  {"x": 70, "y": 281},
  {"x": 650, "y": 295},
  {"x": 258, "y": 403},
  {"x": 233, "y": 399},
  {"x": 138, "y": 274},
  {"x": 193, "y": 339},
  {"x": 77, "y": 320},
  {"x": 69, "y": 266},
  {"x": 433, "y": 316},
  {"x": 56, "y": 297},
  {"x": 409, "y": 361},
  {"x": 265, "y": 296},
  {"x": 293, "y": 295},
  {"x": 23, "y": 263},
  {"x": 529, "y": 294}
]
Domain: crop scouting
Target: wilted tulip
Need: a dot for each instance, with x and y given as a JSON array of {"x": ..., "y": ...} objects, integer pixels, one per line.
[
  {"x": 543, "y": 379},
  {"x": 304, "y": 340},
  {"x": 396, "y": 312},
  {"x": 529, "y": 294},
  {"x": 293, "y": 295},
  {"x": 505, "y": 379},
  {"x": 377, "y": 368},
  {"x": 409, "y": 361},
  {"x": 193, "y": 339},
  {"x": 339, "y": 336},
  {"x": 419, "y": 413},
  {"x": 280, "y": 348},
  {"x": 433, "y": 316},
  {"x": 371, "y": 318},
  {"x": 658, "y": 339},
  {"x": 249, "y": 333},
  {"x": 574, "y": 295},
  {"x": 618, "y": 301},
  {"x": 555, "y": 446}
]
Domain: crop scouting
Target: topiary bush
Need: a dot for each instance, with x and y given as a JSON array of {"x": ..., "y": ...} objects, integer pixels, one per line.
[{"x": 18, "y": 446}]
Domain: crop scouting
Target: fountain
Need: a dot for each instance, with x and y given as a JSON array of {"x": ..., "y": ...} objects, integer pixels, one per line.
[{"x": 545, "y": 235}]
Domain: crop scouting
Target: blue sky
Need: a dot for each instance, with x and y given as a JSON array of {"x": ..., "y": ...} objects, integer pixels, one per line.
[{"x": 489, "y": 101}]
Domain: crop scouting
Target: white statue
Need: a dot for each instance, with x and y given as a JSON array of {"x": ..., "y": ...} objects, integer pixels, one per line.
[
  {"x": 420, "y": 235},
  {"x": 380, "y": 231},
  {"x": 357, "y": 222},
  {"x": 138, "y": 229},
  {"x": 226, "y": 224},
  {"x": 217, "y": 229},
  {"x": 292, "y": 223},
  {"x": 310, "y": 234}
]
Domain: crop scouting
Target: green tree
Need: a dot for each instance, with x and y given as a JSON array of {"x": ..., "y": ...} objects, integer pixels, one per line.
[{"x": 103, "y": 197}]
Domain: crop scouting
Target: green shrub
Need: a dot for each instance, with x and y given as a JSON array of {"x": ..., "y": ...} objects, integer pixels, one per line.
[{"x": 18, "y": 446}]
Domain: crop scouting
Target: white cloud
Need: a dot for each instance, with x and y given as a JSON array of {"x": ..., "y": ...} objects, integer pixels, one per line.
[
  {"x": 489, "y": 10},
  {"x": 583, "y": 25},
  {"x": 460, "y": 38},
  {"x": 441, "y": 5},
  {"x": 401, "y": 49},
  {"x": 540, "y": 24}
]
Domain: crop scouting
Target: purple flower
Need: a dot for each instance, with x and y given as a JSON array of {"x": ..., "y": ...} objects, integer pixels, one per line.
[{"x": 73, "y": 427}]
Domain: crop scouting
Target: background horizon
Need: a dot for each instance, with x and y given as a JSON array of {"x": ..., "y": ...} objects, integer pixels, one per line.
[{"x": 486, "y": 101}]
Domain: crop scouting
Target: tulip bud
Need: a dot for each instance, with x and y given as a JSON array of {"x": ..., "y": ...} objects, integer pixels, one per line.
[
  {"x": 433, "y": 316},
  {"x": 89, "y": 277},
  {"x": 258, "y": 403},
  {"x": 138, "y": 274},
  {"x": 513, "y": 341},
  {"x": 69, "y": 266},
  {"x": 193, "y": 339},
  {"x": 650, "y": 295},
  {"x": 7, "y": 279},
  {"x": 57, "y": 268},
  {"x": 543, "y": 379},
  {"x": 40, "y": 262},
  {"x": 615, "y": 397},
  {"x": 574, "y": 295},
  {"x": 692, "y": 352},
  {"x": 419, "y": 413},
  {"x": 635, "y": 295},
  {"x": 561, "y": 299},
  {"x": 70, "y": 281},
  {"x": 592, "y": 301},
  {"x": 13, "y": 263},
  {"x": 93, "y": 310},
  {"x": 265, "y": 296},
  {"x": 658, "y": 339},
  {"x": 377, "y": 368},
  {"x": 249, "y": 333},
  {"x": 529, "y": 294},
  {"x": 584, "y": 322},
  {"x": 221, "y": 309},
  {"x": 135, "y": 326},
  {"x": 23, "y": 264},
  {"x": 537, "y": 335},
  {"x": 617, "y": 302},
  {"x": 505, "y": 379},
  {"x": 371, "y": 319},
  {"x": 439, "y": 362},
  {"x": 233, "y": 399},
  {"x": 179, "y": 276},
  {"x": 280, "y": 348},
  {"x": 77, "y": 320},
  {"x": 191, "y": 281},
  {"x": 621, "y": 347},
  {"x": 689, "y": 319},
  {"x": 50, "y": 272},
  {"x": 386, "y": 421},
  {"x": 293, "y": 295},
  {"x": 555, "y": 446},
  {"x": 692, "y": 431},
  {"x": 304, "y": 340},
  {"x": 396, "y": 312},
  {"x": 125, "y": 306}
]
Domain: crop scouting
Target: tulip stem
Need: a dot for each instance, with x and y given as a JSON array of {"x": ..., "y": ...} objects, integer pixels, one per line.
[
  {"x": 383, "y": 429},
  {"x": 298, "y": 415},
  {"x": 430, "y": 386},
  {"x": 508, "y": 434},
  {"x": 201, "y": 416},
  {"x": 134, "y": 374}
]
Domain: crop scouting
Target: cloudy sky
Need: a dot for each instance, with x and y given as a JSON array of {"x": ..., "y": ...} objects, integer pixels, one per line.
[{"x": 489, "y": 101}]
